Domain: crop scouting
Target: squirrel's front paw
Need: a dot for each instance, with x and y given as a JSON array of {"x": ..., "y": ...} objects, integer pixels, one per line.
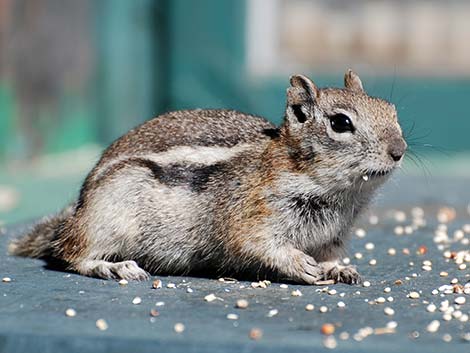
[
  {"x": 305, "y": 269},
  {"x": 343, "y": 274}
]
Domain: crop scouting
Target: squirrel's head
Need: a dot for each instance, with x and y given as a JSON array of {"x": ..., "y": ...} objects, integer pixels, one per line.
[{"x": 342, "y": 133}]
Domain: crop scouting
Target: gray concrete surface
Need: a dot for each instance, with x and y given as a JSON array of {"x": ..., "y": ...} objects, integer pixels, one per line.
[{"x": 33, "y": 304}]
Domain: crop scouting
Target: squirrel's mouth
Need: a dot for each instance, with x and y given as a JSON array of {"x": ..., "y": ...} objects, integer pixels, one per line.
[{"x": 375, "y": 174}]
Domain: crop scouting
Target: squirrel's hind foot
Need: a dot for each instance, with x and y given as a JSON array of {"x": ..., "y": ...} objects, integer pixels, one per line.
[
  {"x": 343, "y": 274},
  {"x": 128, "y": 270}
]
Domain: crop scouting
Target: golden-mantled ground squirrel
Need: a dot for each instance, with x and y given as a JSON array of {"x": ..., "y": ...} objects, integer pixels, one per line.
[{"x": 222, "y": 193}]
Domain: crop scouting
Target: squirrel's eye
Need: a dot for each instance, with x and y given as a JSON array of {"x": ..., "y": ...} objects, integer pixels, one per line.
[{"x": 341, "y": 123}]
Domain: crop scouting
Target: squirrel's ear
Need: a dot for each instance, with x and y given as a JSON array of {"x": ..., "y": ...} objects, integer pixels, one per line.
[
  {"x": 302, "y": 90},
  {"x": 352, "y": 81},
  {"x": 300, "y": 98}
]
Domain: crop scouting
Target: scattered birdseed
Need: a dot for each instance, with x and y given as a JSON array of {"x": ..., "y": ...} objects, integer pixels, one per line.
[
  {"x": 460, "y": 300},
  {"x": 390, "y": 299},
  {"x": 358, "y": 255},
  {"x": 431, "y": 308},
  {"x": 389, "y": 311},
  {"x": 154, "y": 312},
  {"x": 189, "y": 290},
  {"x": 283, "y": 286},
  {"x": 171, "y": 285},
  {"x": 462, "y": 266},
  {"x": 123, "y": 282},
  {"x": 399, "y": 230},
  {"x": 369, "y": 246},
  {"x": 157, "y": 284},
  {"x": 210, "y": 297},
  {"x": 256, "y": 334},
  {"x": 380, "y": 300},
  {"x": 413, "y": 295},
  {"x": 232, "y": 316},
  {"x": 242, "y": 304},
  {"x": 447, "y": 317},
  {"x": 179, "y": 327},
  {"x": 434, "y": 292},
  {"x": 70, "y": 312},
  {"x": 343, "y": 336},
  {"x": 101, "y": 324},
  {"x": 366, "y": 284},
  {"x": 273, "y": 312},
  {"x": 323, "y": 309},
  {"x": 136, "y": 300},
  {"x": 330, "y": 342},
  {"x": 373, "y": 262},
  {"x": 454, "y": 280},
  {"x": 296, "y": 293},
  {"x": 391, "y": 251},
  {"x": 408, "y": 230},
  {"x": 341, "y": 304},
  {"x": 361, "y": 233},
  {"x": 159, "y": 303},
  {"x": 392, "y": 324},
  {"x": 383, "y": 330},
  {"x": 427, "y": 263},
  {"x": 447, "y": 338},
  {"x": 327, "y": 329},
  {"x": 422, "y": 250},
  {"x": 426, "y": 268},
  {"x": 399, "y": 216},
  {"x": 6, "y": 279},
  {"x": 309, "y": 307},
  {"x": 346, "y": 261},
  {"x": 443, "y": 274},
  {"x": 405, "y": 251},
  {"x": 433, "y": 326},
  {"x": 387, "y": 289},
  {"x": 332, "y": 292}
]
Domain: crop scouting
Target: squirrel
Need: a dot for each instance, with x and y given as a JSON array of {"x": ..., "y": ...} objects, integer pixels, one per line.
[{"x": 223, "y": 193}]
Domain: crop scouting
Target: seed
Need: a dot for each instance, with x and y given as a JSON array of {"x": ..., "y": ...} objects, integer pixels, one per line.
[
  {"x": 373, "y": 219},
  {"x": 6, "y": 279},
  {"x": 330, "y": 342},
  {"x": 366, "y": 284},
  {"x": 136, "y": 301},
  {"x": 433, "y": 326},
  {"x": 462, "y": 266},
  {"x": 399, "y": 230},
  {"x": 427, "y": 268},
  {"x": 102, "y": 324},
  {"x": 256, "y": 334},
  {"x": 343, "y": 336},
  {"x": 332, "y": 292},
  {"x": 123, "y": 282},
  {"x": 154, "y": 312},
  {"x": 443, "y": 274},
  {"x": 242, "y": 304},
  {"x": 460, "y": 300},
  {"x": 400, "y": 216},
  {"x": 369, "y": 246},
  {"x": 422, "y": 250},
  {"x": 391, "y": 251},
  {"x": 70, "y": 312},
  {"x": 413, "y": 295},
  {"x": 358, "y": 255},
  {"x": 434, "y": 292},
  {"x": 189, "y": 290},
  {"x": 232, "y": 316},
  {"x": 398, "y": 282},
  {"x": 405, "y": 251},
  {"x": 283, "y": 286},
  {"x": 361, "y": 233},
  {"x": 387, "y": 289},
  {"x": 427, "y": 263},
  {"x": 309, "y": 307},
  {"x": 171, "y": 285},
  {"x": 389, "y": 311},
  {"x": 179, "y": 327},
  {"x": 210, "y": 297},
  {"x": 341, "y": 304},
  {"x": 431, "y": 308},
  {"x": 157, "y": 284},
  {"x": 323, "y": 309},
  {"x": 392, "y": 324},
  {"x": 380, "y": 300},
  {"x": 273, "y": 312},
  {"x": 454, "y": 281},
  {"x": 346, "y": 261},
  {"x": 159, "y": 303},
  {"x": 447, "y": 338},
  {"x": 373, "y": 262},
  {"x": 446, "y": 317},
  {"x": 296, "y": 293},
  {"x": 327, "y": 329}
]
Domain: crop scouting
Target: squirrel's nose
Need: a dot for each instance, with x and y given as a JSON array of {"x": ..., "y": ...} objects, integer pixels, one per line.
[{"x": 397, "y": 149}]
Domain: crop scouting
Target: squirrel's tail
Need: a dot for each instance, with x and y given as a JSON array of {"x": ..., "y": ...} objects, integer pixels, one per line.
[{"x": 37, "y": 242}]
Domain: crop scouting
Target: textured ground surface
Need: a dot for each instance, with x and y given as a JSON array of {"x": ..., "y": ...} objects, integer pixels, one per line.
[{"x": 33, "y": 304}]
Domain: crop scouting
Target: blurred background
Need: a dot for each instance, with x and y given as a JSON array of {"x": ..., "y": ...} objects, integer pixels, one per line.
[{"x": 76, "y": 74}]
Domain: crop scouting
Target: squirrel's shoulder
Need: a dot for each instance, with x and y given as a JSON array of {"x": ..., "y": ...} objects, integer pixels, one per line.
[{"x": 199, "y": 127}]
